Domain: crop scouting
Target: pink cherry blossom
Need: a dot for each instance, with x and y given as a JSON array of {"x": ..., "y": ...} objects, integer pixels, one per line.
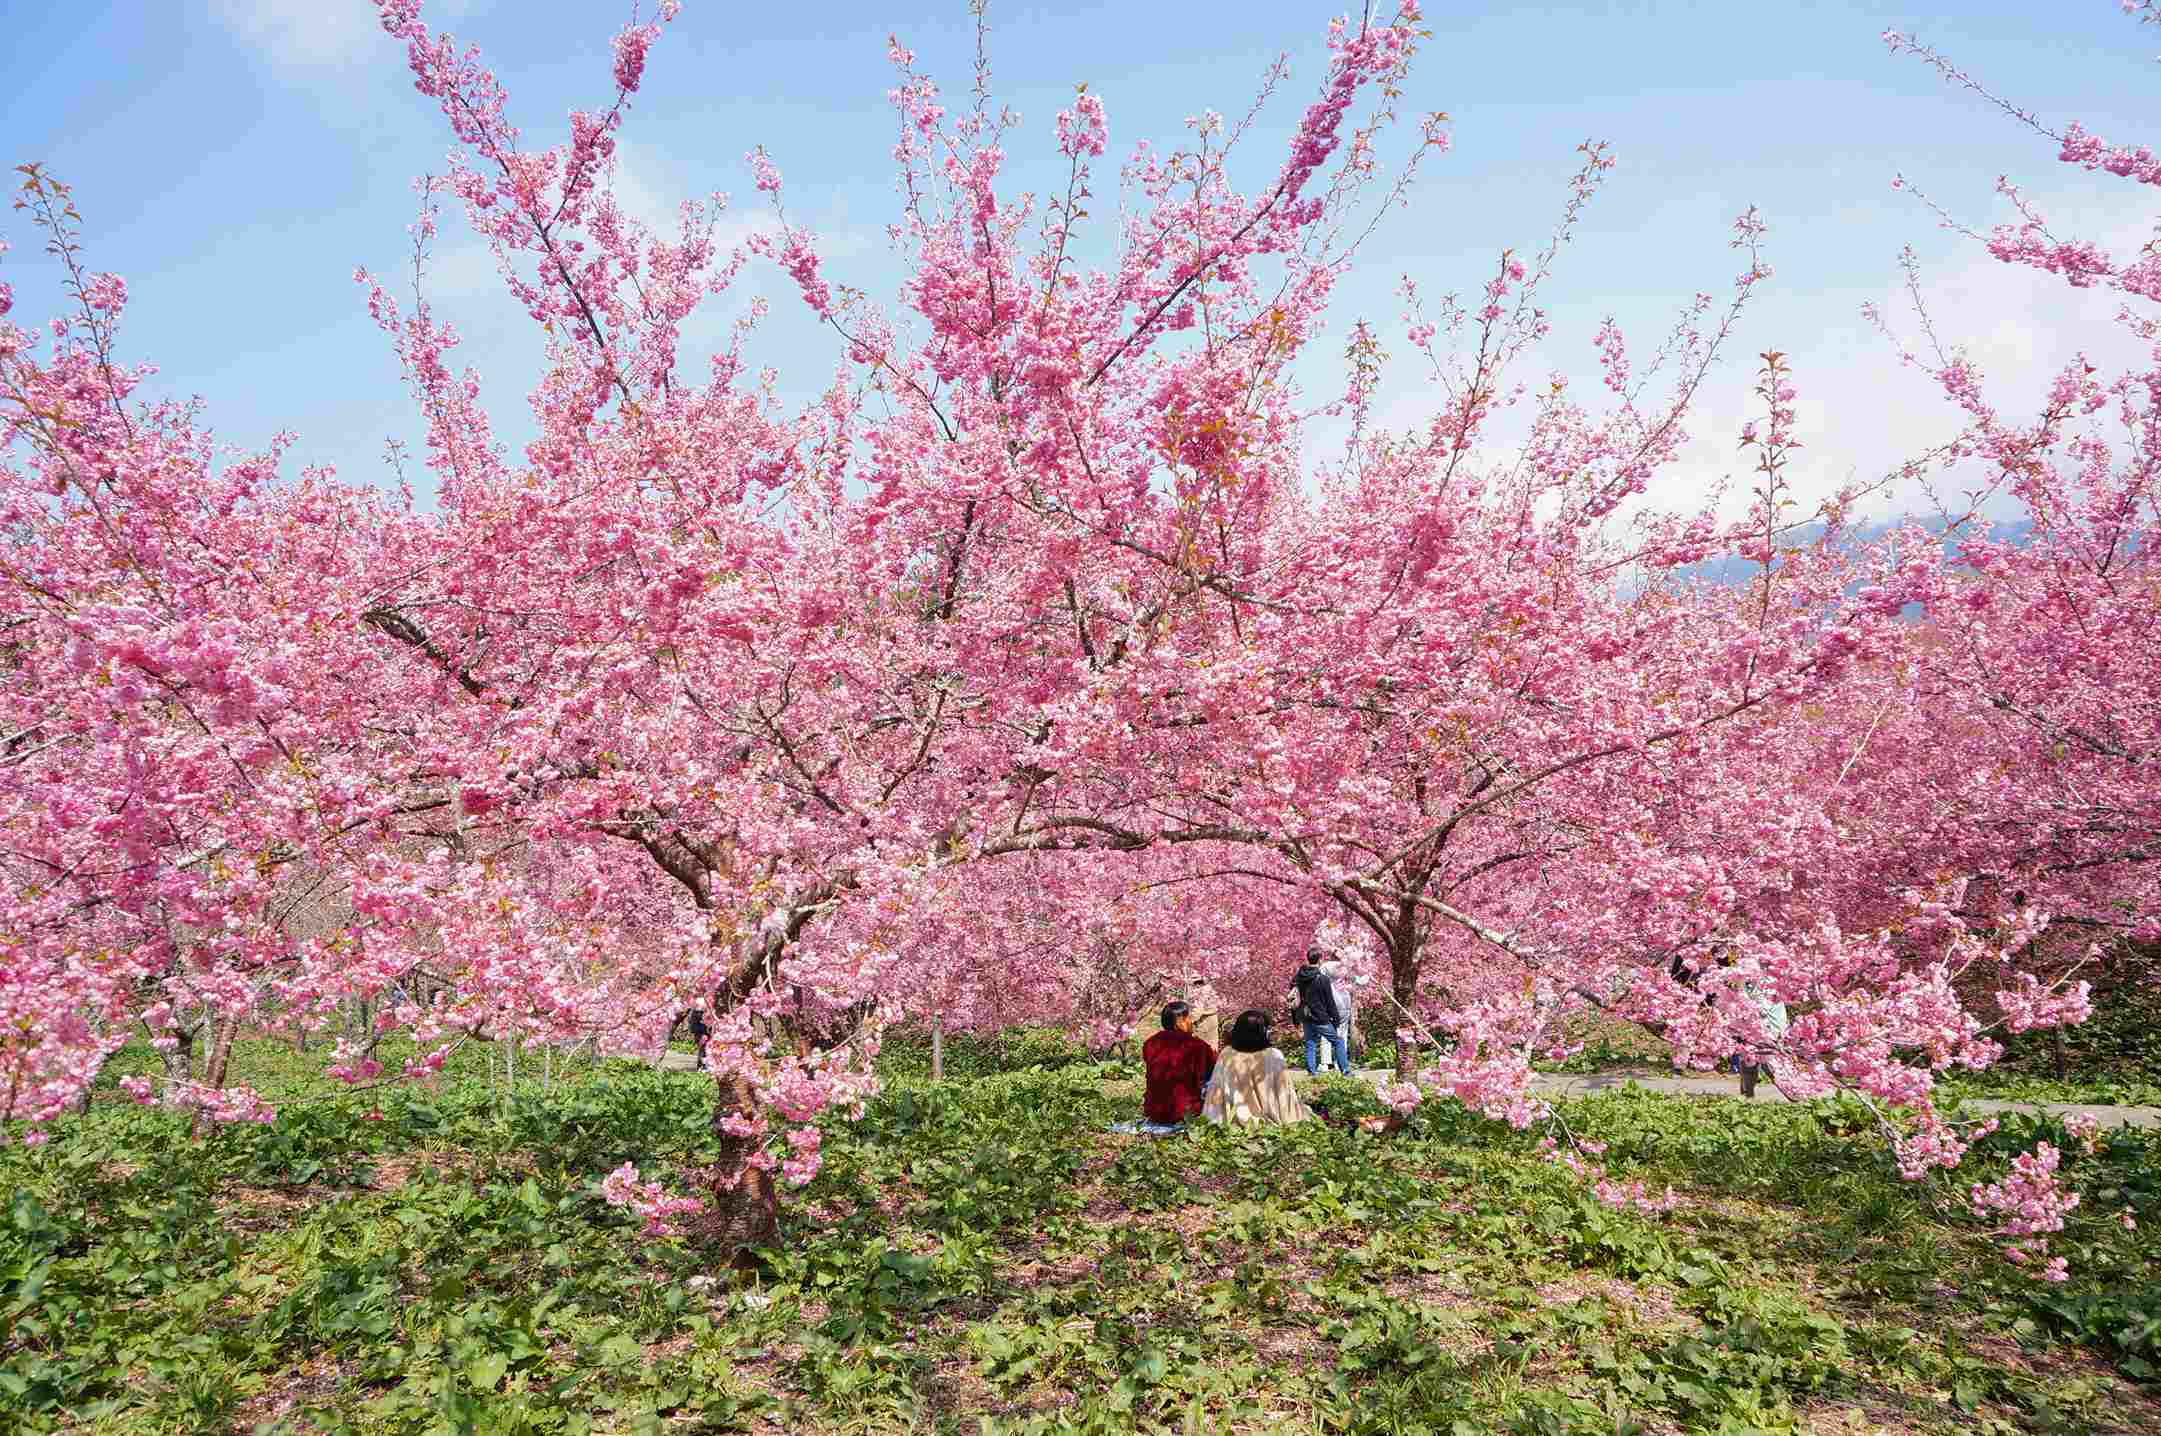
[{"x": 1046, "y": 662}]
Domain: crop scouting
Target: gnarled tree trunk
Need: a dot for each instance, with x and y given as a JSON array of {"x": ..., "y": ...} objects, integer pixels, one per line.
[
  {"x": 746, "y": 1201},
  {"x": 1403, "y": 984},
  {"x": 745, "y": 1198}
]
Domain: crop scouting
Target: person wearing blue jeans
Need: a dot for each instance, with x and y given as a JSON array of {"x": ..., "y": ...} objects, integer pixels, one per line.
[
  {"x": 1320, "y": 1014},
  {"x": 1332, "y": 1034}
]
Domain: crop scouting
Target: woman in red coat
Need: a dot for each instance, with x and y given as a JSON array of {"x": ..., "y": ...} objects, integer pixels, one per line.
[{"x": 1178, "y": 1064}]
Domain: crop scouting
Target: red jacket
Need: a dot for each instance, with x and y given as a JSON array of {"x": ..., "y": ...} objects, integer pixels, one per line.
[{"x": 1178, "y": 1064}]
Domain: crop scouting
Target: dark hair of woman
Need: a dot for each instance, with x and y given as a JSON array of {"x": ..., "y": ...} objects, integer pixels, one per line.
[
  {"x": 1172, "y": 1011},
  {"x": 1250, "y": 1032}
]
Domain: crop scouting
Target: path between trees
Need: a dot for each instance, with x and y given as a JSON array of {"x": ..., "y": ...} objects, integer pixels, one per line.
[{"x": 1562, "y": 1084}]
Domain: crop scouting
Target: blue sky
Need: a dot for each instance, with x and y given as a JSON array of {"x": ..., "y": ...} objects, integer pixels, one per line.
[{"x": 236, "y": 159}]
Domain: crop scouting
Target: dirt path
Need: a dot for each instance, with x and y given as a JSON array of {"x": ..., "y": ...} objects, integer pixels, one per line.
[{"x": 1558, "y": 1084}]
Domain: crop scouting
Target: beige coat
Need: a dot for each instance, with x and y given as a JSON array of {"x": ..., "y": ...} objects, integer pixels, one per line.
[{"x": 1250, "y": 1088}]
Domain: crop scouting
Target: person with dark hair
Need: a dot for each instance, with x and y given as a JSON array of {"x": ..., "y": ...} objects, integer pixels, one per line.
[
  {"x": 1177, "y": 1064},
  {"x": 1320, "y": 1013},
  {"x": 699, "y": 1031},
  {"x": 1252, "y": 1082}
]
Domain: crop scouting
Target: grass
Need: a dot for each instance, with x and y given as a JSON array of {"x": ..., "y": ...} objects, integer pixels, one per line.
[{"x": 982, "y": 1256}]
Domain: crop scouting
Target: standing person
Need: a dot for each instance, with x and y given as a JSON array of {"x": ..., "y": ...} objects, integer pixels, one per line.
[
  {"x": 1346, "y": 989},
  {"x": 1252, "y": 1084},
  {"x": 1684, "y": 973},
  {"x": 1773, "y": 1016},
  {"x": 1177, "y": 1064},
  {"x": 1319, "y": 1013},
  {"x": 1207, "y": 1010}
]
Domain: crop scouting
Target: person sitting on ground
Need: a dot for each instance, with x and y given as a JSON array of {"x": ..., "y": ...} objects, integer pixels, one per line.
[
  {"x": 1252, "y": 1083},
  {"x": 1177, "y": 1063}
]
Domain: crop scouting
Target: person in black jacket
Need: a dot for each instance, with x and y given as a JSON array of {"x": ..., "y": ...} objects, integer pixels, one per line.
[
  {"x": 1320, "y": 1013},
  {"x": 700, "y": 1029},
  {"x": 698, "y": 1033}
]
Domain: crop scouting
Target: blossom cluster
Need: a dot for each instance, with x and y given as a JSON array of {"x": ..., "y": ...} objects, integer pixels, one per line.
[
  {"x": 2031, "y": 1203},
  {"x": 648, "y": 1200}
]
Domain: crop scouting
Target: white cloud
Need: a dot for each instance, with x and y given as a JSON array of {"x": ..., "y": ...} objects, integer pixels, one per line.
[
  {"x": 645, "y": 189},
  {"x": 464, "y": 270},
  {"x": 1860, "y": 413},
  {"x": 313, "y": 33}
]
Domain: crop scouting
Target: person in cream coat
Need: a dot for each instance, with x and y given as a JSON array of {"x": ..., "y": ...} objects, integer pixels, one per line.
[{"x": 1251, "y": 1083}]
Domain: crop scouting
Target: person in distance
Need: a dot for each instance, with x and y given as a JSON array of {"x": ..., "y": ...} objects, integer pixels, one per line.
[
  {"x": 699, "y": 1032},
  {"x": 1177, "y": 1064},
  {"x": 1252, "y": 1082},
  {"x": 1207, "y": 1009},
  {"x": 1320, "y": 1012}
]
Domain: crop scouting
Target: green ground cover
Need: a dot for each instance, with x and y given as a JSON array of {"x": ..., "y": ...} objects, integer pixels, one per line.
[{"x": 982, "y": 1256}]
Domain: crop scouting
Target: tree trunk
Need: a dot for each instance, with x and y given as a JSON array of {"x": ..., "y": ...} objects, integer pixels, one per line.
[
  {"x": 221, "y": 1051},
  {"x": 1400, "y": 928},
  {"x": 746, "y": 1202},
  {"x": 2055, "y": 1044},
  {"x": 937, "y": 1048},
  {"x": 180, "y": 1062},
  {"x": 1403, "y": 983}
]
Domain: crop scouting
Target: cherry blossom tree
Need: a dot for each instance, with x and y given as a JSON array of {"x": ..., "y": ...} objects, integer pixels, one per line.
[
  {"x": 799, "y": 703},
  {"x": 1048, "y": 633}
]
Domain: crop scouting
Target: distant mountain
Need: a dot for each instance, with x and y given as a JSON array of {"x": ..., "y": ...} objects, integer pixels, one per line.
[{"x": 1729, "y": 569}]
